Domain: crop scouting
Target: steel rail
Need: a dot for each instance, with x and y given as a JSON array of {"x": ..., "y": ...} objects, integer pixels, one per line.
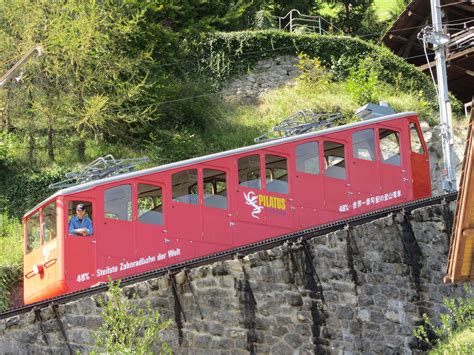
[{"x": 305, "y": 234}]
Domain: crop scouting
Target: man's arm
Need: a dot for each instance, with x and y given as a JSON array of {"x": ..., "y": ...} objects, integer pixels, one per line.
[{"x": 89, "y": 226}]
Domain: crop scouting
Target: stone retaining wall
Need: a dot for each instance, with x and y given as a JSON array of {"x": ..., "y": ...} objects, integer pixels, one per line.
[
  {"x": 267, "y": 74},
  {"x": 361, "y": 290}
]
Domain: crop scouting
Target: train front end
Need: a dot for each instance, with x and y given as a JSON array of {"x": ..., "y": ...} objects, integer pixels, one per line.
[{"x": 43, "y": 275}]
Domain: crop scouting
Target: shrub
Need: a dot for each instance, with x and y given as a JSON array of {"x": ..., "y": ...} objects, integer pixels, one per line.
[
  {"x": 459, "y": 317},
  {"x": 127, "y": 329}
]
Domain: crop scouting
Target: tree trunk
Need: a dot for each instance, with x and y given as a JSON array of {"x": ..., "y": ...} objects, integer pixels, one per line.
[
  {"x": 81, "y": 150},
  {"x": 31, "y": 146},
  {"x": 51, "y": 156}
]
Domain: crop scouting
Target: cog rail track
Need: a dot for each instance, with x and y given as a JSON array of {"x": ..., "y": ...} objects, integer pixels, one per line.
[{"x": 305, "y": 234}]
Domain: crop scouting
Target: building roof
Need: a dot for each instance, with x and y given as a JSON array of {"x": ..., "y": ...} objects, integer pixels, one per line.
[{"x": 458, "y": 20}]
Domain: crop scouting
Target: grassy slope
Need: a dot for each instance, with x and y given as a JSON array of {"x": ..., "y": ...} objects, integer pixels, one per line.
[{"x": 382, "y": 9}]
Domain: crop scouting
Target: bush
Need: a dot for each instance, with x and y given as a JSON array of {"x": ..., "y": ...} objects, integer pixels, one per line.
[
  {"x": 127, "y": 329},
  {"x": 223, "y": 55},
  {"x": 459, "y": 317}
]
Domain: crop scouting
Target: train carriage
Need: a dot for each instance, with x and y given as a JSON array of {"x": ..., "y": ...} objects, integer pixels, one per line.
[{"x": 155, "y": 217}]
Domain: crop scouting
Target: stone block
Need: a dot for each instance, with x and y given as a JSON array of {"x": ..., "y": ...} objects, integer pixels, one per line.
[
  {"x": 344, "y": 312},
  {"x": 363, "y": 315},
  {"x": 281, "y": 349},
  {"x": 376, "y": 316},
  {"x": 216, "y": 328}
]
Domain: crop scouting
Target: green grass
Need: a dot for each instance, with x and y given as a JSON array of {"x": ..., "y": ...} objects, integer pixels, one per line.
[
  {"x": 461, "y": 343},
  {"x": 11, "y": 257},
  {"x": 383, "y": 7}
]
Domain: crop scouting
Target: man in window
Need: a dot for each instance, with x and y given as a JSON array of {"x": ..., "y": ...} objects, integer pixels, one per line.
[{"x": 80, "y": 224}]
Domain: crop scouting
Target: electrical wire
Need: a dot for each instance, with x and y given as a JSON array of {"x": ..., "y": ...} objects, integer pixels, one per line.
[{"x": 422, "y": 36}]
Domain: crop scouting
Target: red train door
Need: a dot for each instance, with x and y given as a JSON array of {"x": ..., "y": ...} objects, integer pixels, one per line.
[
  {"x": 276, "y": 198},
  {"x": 117, "y": 241},
  {"x": 216, "y": 210},
  {"x": 150, "y": 232},
  {"x": 364, "y": 167},
  {"x": 308, "y": 187},
  {"x": 250, "y": 221},
  {"x": 337, "y": 194},
  {"x": 393, "y": 169},
  {"x": 185, "y": 219},
  {"x": 80, "y": 250},
  {"x": 420, "y": 163}
]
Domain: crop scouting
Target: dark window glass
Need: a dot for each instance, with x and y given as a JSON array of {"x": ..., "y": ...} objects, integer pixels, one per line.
[
  {"x": 118, "y": 203},
  {"x": 415, "y": 139},
  {"x": 276, "y": 174},
  {"x": 150, "y": 204},
  {"x": 334, "y": 157},
  {"x": 33, "y": 233},
  {"x": 185, "y": 186},
  {"x": 49, "y": 222},
  {"x": 363, "y": 144},
  {"x": 389, "y": 147},
  {"x": 249, "y": 172},
  {"x": 307, "y": 158},
  {"x": 215, "y": 188}
]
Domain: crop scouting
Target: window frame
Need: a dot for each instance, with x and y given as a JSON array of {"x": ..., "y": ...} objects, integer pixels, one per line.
[
  {"x": 188, "y": 188},
  {"x": 266, "y": 180},
  {"x": 317, "y": 156},
  {"x": 130, "y": 217},
  {"x": 92, "y": 216},
  {"x": 135, "y": 201},
  {"x": 260, "y": 179},
  {"x": 399, "y": 142},
  {"x": 374, "y": 151},
  {"x": 202, "y": 183},
  {"x": 411, "y": 126},
  {"x": 325, "y": 163}
]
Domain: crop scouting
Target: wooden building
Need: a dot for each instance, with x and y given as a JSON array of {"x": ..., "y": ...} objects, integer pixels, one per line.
[{"x": 458, "y": 21}]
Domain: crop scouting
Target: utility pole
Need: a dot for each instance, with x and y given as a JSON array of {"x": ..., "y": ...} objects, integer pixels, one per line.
[{"x": 439, "y": 40}]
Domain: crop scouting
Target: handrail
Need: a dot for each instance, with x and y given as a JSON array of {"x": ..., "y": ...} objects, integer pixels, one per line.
[{"x": 291, "y": 25}]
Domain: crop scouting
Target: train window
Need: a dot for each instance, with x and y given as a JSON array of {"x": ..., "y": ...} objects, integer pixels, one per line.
[
  {"x": 390, "y": 147},
  {"x": 49, "y": 222},
  {"x": 276, "y": 174},
  {"x": 249, "y": 172},
  {"x": 415, "y": 139},
  {"x": 118, "y": 203},
  {"x": 33, "y": 233},
  {"x": 307, "y": 158},
  {"x": 363, "y": 144},
  {"x": 80, "y": 223},
  {"x": 215, "y": 188},
  {"x": 150, "y": 204},
  {"x": 334, "y": 158},
  {"x": 184, "y": 186}
]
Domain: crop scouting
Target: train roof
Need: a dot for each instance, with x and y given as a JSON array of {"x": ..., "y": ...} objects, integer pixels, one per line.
[{"x": 144, "y": 172}]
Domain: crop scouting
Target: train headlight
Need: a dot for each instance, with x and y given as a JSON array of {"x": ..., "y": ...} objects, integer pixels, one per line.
[{"x": 38, "y": 269}]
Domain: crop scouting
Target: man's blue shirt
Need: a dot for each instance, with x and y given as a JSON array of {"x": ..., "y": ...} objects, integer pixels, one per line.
[{"x": 76, "y": 223}]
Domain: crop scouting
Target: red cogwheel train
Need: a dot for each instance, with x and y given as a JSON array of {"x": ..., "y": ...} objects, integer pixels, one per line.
[{"x": 156, "y": 217}]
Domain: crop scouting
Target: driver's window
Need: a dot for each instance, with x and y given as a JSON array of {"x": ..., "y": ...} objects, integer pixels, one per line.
[{"x": 80, "y": 218}]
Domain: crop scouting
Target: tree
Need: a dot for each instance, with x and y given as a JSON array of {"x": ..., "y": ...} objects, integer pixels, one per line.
[
  {"x": 127, "y": 329},
  {"x": 91, "y": 80},
  {"x": 352, "y": 14}
]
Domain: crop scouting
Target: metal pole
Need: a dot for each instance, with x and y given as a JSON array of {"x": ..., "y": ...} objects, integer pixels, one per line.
[
  {"x": 319, "y": 24},
  {"x": 291, "y": 21},
  {"x": 9, "y": 74},
  {"x": 443, "y": 99}
]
